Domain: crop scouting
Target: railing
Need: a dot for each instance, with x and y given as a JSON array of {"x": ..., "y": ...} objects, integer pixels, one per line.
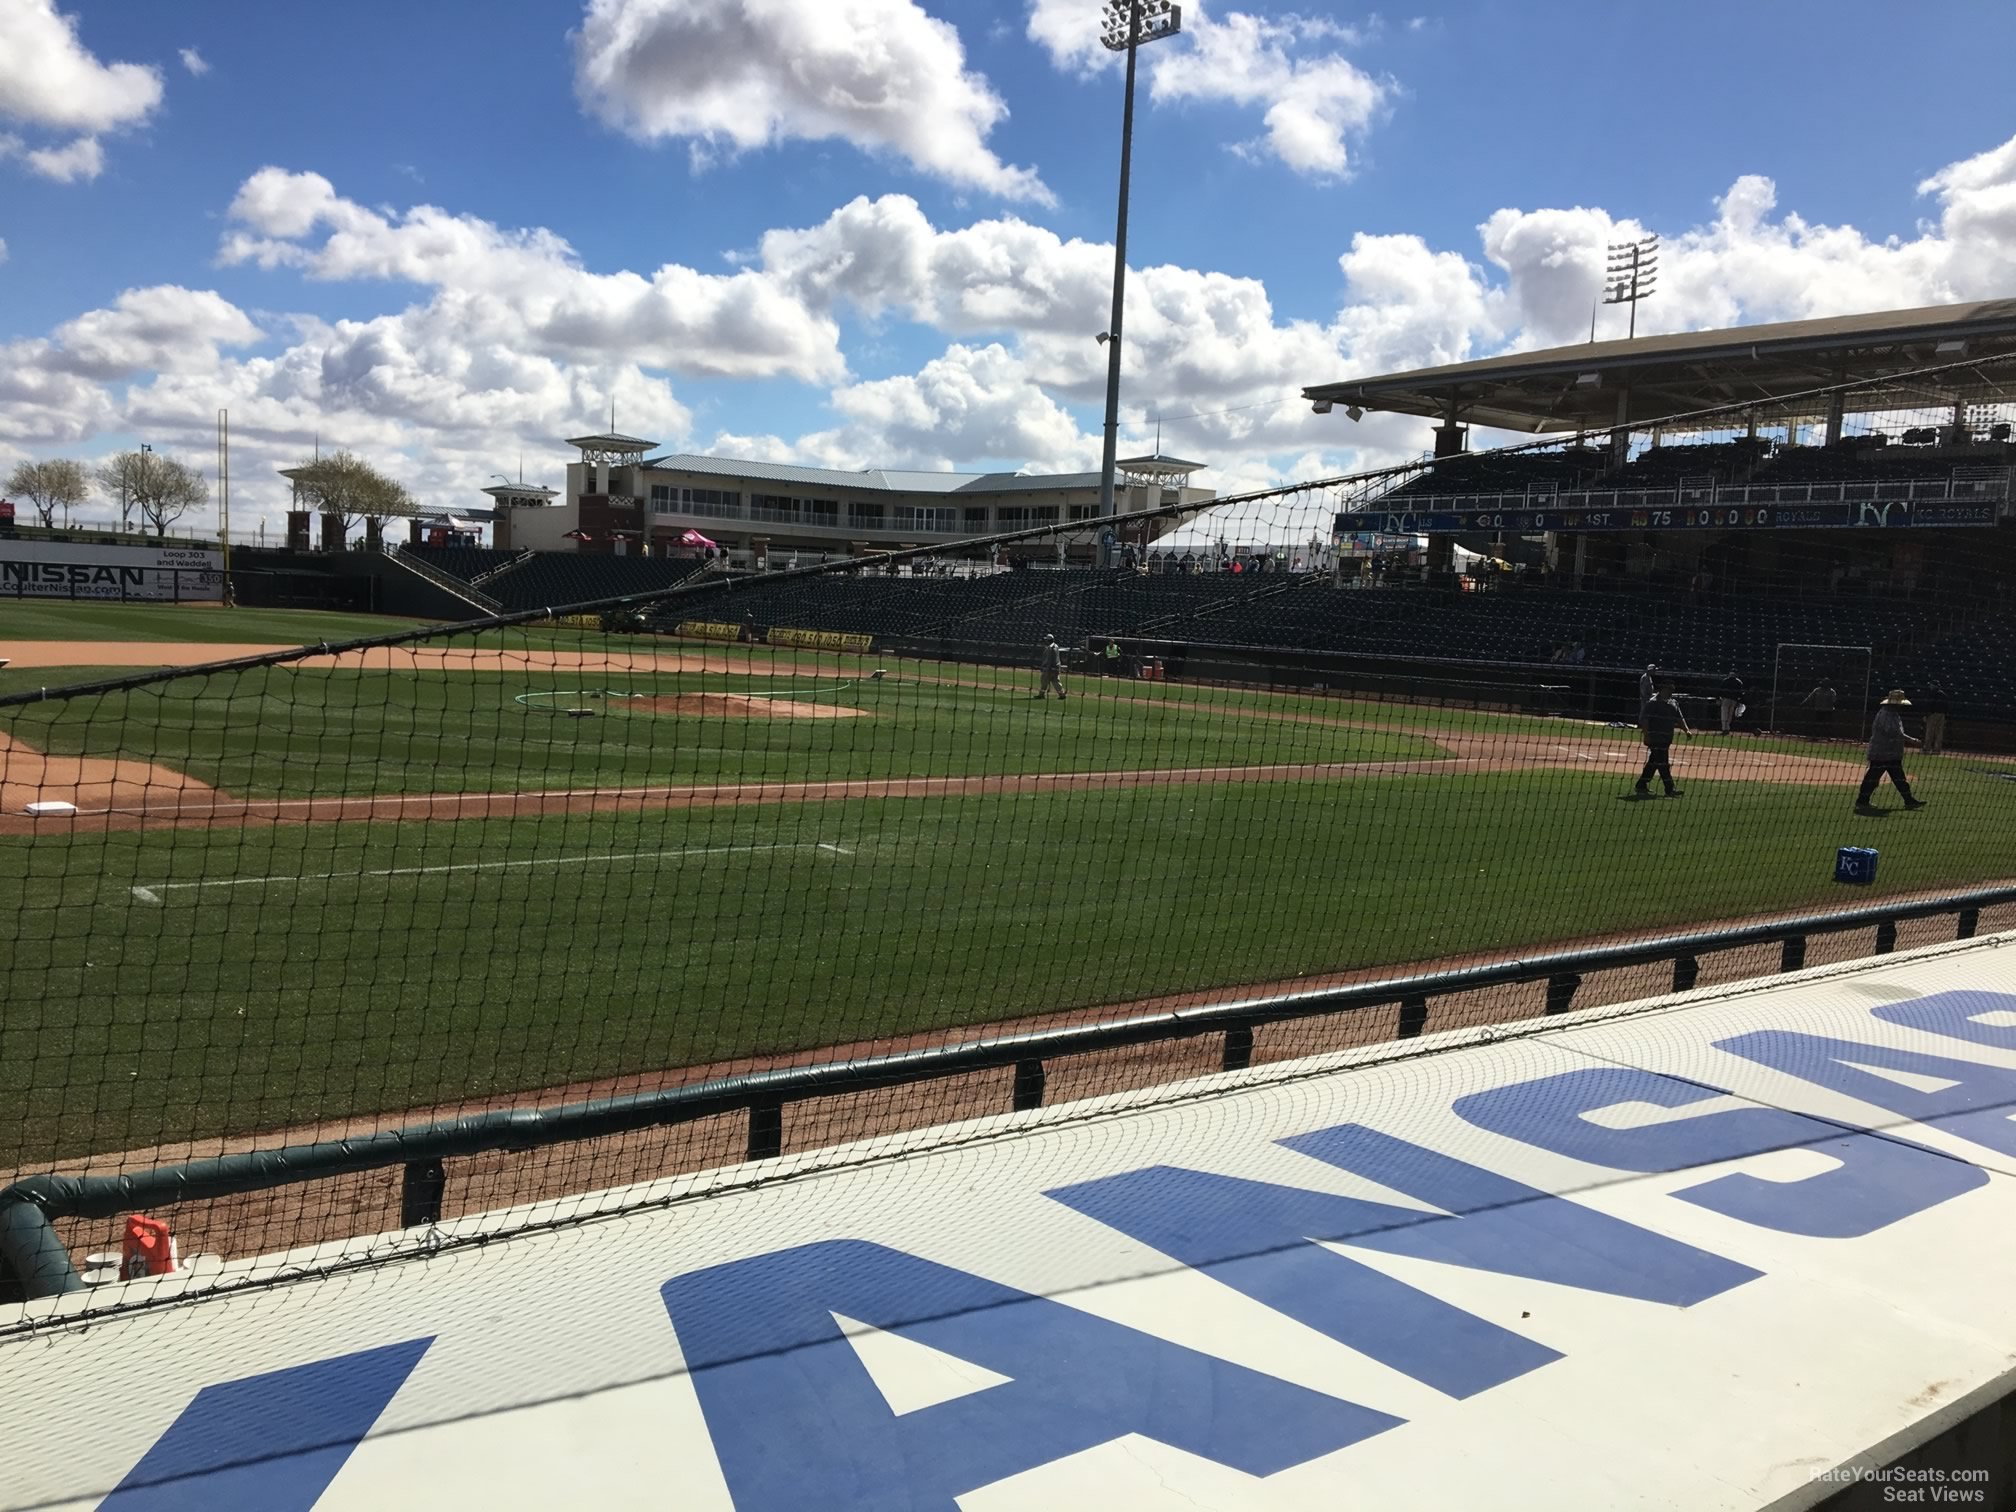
[
  {"x": 29, "y": 527},
  {"x": 1993, "y": 487},
  {"x": 446, "y": 581},
  {"x": 503, "y": 567},
  {"x": 35, "y": 1263}
]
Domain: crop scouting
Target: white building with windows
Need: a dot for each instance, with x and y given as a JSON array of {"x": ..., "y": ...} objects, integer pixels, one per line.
[{"x": 620, "y": 498}]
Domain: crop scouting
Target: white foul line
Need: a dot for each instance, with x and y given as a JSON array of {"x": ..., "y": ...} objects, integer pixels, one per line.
[{"x": 153, "y": 894}]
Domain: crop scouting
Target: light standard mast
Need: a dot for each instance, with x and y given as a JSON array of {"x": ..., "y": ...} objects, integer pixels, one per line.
[{"x": 1126, "y": 25}]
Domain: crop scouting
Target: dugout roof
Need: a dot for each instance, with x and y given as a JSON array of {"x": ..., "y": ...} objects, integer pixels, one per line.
[{"x": 1580, "y": 388}]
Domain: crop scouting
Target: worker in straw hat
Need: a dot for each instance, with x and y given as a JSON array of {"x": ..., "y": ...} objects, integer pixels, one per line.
[{"x": 1886, "y": 754}]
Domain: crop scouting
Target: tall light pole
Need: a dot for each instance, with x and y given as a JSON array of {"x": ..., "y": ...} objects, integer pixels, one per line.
[
  {"x": 224, "y": 500},
  {"x": 1632, "y": 270},
  {"x": 1126, "y": 24},
  {"x": 145, "y": 468}
]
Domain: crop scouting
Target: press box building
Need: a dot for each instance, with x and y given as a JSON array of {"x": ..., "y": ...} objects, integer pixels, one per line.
[{"x": 620, "y": 498}]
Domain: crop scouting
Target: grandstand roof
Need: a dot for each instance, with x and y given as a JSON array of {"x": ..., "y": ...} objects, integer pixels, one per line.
[
  {"x": 896, "y": 480},
  {"x": 1577, "y": 388}
]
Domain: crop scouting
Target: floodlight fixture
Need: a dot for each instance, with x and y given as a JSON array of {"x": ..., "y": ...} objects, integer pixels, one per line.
[
  {"x": 1631, "y": 269},
  {"x": 1140, "y": 20}
]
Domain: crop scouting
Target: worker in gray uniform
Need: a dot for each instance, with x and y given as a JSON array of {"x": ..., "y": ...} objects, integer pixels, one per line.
[
  {"x": 1886, "y": 755},
  {"x": 1053, "y": 668}
]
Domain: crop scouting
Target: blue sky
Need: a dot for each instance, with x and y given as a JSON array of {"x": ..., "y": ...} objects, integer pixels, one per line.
[{"x": 319, "y": 216}]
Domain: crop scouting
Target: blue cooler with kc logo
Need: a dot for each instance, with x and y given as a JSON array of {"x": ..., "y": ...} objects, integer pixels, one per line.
[{"x": 1855, "y": 863}]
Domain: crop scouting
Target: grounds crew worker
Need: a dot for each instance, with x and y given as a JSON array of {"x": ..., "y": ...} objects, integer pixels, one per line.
[
  {"x": 1658, "y": 719},
  {"x": 1053, "y": 668},
  {"x": 1112, "y": 657},
  {"x": 1886, "y": 754}
]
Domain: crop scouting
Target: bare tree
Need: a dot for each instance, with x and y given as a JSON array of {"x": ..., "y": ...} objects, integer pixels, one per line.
[
  {"x": 162, "y": 489},
  {"x": 50, "y": 486},
  {"x": 346, "y": 486}
]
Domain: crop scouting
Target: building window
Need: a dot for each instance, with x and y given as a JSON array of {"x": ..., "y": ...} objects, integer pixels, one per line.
[
  {"x": 942, "y": 521},
  {"x": 822, "y": 512},
  {"x": 715, "y": 503},
  {"x": 867, "y": 516},
  {"x": 777, "y": 509},
  {"x": 1084, "y": 511},
  {"x": 976, "y": 521}
]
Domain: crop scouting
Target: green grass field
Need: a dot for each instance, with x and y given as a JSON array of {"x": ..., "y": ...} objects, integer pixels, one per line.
[
  {"x": 168, "y": 984},
  {"x": 302, "y": 732}
]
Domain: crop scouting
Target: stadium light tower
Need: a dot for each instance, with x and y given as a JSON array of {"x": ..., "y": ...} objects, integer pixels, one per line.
[
  {"x": 1125, "y": 25},
  {"x": 1632, "y": 270}
]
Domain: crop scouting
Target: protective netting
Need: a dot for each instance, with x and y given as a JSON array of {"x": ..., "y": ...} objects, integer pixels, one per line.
[{"x": 712, "y": 821}]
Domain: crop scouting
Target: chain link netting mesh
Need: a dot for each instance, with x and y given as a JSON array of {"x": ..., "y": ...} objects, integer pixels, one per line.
[{"x": 667, "y": 822}]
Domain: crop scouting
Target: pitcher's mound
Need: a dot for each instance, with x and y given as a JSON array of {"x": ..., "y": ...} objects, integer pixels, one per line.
[{"x": 745, "y": 706}]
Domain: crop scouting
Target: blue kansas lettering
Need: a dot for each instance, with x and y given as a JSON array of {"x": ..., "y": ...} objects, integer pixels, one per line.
[
  {"x": 1256, "y": 1237},
  {"x": 797, "y": 1422},
  {"x": 1878, "y": 1181},
  {"x": 267, "y": 1443},
  {"x": 1975, "y": 1103},
  {"x": 1956, "y": 1015}
]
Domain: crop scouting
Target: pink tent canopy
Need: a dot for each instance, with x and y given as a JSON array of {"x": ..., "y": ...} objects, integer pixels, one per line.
[{"x": 694, "y": 538}]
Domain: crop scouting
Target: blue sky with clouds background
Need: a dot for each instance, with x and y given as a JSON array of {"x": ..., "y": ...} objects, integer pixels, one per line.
[{"x": 859, "y": 232}]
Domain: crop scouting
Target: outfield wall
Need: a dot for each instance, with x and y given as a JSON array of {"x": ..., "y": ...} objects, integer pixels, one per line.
[
  {"x": 1739, "y": 1249},
  {"x": 120, "y": 574}
]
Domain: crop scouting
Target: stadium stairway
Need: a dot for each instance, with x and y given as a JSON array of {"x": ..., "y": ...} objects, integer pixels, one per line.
[{"x": 446, "y": 581}]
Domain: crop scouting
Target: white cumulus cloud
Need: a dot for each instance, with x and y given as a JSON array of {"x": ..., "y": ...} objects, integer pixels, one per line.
[
  {"x": 50, "y": 83},
  {"x": 49, "y": 78},
  {"x": 1313, "y": 100},
  {"x": 511, "y": 342},
  {"x": 744, "y": 74},
  {"x": 80, "y": 158},
  {"x": 972, "y": 402},
  {"x": 738, "y": 324},
  {"x": 193, "y": 61},
  {"x": 1312, "y": 103}
]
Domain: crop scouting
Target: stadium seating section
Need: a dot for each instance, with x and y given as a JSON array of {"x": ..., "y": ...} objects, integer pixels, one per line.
[
  {"x": 1918, "y": 642},
  {"x": 1743, "y": 460},
  {"x": 552, "y": 579},
  {"x": 1010, "y": 613},
  {"x": 1974, "y": 669}
]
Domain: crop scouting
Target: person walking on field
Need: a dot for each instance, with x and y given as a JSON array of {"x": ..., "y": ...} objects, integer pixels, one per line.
[
  {"x": 1657, "y": 721},
  {"x": 1933, "y": 705},
  {"x": 1053, "y": 669},
  {"x": 1886, "y": 755},
  {"x": 1731, "y": 700}
]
